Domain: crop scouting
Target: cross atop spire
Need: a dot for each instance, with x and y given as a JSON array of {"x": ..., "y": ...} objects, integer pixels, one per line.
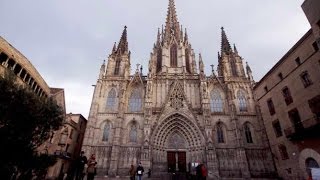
[
  {"x": 225, "y": 45},
  {"x": 172, "y": 25},
  {"x": 123, "y": 43}
]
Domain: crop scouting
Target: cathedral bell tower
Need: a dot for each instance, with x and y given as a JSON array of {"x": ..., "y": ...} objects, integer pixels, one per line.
[
  {"x": 230, "y": 63},
  {"x": 172, "y": 52},
  {"x": 119, "y": 59}
]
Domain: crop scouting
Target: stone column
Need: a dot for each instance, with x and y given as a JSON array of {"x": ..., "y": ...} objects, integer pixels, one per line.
[
  {"x": 212, "y": 162},
  {"x": 115, "y": 152}
]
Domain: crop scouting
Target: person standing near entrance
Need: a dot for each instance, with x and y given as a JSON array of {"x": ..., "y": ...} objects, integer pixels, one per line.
[
  {"x": 132, "y": 172},
  {"x": 140, "y": 171},
  {"x": 91, "y": 167},
  {"x": 81, "y": 161}
]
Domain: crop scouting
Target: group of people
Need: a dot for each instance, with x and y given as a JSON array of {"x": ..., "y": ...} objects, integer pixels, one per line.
[
  {"x": 86, "y": 167},
  {"x": 133, "y": 172},
  {"x": 202, "y": 172}
]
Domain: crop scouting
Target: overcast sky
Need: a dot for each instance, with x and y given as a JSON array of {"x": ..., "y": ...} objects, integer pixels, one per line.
[{"x": 67, "y": 40}]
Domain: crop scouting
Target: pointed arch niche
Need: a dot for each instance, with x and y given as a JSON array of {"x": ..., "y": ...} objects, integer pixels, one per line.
[{"x": 174, "y": 55}]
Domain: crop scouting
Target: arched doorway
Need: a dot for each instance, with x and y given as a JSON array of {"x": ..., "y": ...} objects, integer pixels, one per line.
[{"x": 176, "y": 141}]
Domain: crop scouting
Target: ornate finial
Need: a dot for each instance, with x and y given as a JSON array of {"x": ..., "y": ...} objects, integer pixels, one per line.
[
  {"x": 185, "y": 35},
  {"x": 235, "y": 49},
  {"x": 212, "y": 68},
  {"x": 138, "y": 66}
]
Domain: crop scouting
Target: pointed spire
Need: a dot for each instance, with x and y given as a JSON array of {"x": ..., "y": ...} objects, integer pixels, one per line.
[
  {"x": 225, "y": 45},
  {"x": 123, "y": 43},
  {"x": 185, "y": 35},
  {"x": 158, "y": 37},
  {"x": 201, "y": 65},
  {"x": 235, "y": 49},
  {"x": 114, "y": 49},
  {"x": 172, "y": 25},
  {"x": 181, "y": 32},
  {"x": 248, "y": 68}
]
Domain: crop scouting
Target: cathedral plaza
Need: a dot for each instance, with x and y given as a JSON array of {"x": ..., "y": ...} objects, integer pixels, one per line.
[{"x": 179, "y": 116}]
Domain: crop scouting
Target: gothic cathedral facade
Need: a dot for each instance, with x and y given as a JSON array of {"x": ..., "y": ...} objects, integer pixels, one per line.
[{"x": 176, "y": 115}]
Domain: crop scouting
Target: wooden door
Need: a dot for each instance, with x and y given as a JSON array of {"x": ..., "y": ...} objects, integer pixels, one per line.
[
  {"x": 182, "y": 163},
  {"x": 171, "y": 157}
]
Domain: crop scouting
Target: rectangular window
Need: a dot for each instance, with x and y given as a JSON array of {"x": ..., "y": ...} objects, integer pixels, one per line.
[
  {"x": 283, "y": 152},
  {"x": 314, "y": 105},
  {"x": 266, "y": 88},
  {"x": 277, "y": 128},
  {"x": 271, "y": 107},
  {"x": 287, "y": 95},
  {"x": 298, "y": 62},
  {"x": 295, "y": 119},
  {"x": 305, "y": 79},
  {"x": 315, "y": 46},
  {"x": 280, "y": 76}
]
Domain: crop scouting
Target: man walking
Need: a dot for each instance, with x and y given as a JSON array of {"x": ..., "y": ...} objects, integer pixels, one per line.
[
  {"x": 81, "y": 161},
  {"x": 140, "y": 171}
]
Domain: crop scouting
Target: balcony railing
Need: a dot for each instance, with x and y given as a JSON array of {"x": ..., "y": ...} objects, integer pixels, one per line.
[{"x": 299, "y": 130}]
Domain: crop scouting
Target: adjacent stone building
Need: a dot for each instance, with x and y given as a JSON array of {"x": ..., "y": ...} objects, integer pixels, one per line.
[
  {"x": 176, "y": 115},
  {"x": 289, "y": 96},
  {"x": 64, "y": 143}
]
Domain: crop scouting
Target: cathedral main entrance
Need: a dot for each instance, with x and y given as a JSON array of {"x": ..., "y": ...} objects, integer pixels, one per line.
[{"x": 176, "y": 161}]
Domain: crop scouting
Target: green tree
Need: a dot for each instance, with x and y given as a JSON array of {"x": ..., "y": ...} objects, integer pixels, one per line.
[{"x": 26, "y": 121}]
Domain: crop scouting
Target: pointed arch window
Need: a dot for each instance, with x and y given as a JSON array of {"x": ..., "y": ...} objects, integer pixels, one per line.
[
  {"x": 133, "y": 132},
  {"x": 248, "y": 133},
  {"x": 135, "y": 101},
  {"x": 117, "y": 67},
  {"x": 233, "y": 67},
  {"x": 242, "y": 101},
  {"x": 112, "y": 100},
  {"x": 220, "y": 134},
  {"x": 173, "y": 55},
  {"x": 106, "y": 132},
  {"x": 187, "y": 60},
  {"x": 159, "y": 59},
  {"x": 216, "y": 102}
]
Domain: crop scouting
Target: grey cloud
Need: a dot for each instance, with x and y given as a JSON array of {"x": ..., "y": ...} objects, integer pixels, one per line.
[{"x": 68, "y": 40}]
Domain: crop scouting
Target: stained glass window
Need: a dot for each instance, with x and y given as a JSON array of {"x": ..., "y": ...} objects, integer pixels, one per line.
[
  {"x": 242, "y": 101},
  {"x": 112, "y": 100},
  {"x": 216, "y": 101},
  {"x": 135, "y": 101},
  {"x": 220, "y": 134},
  {"x": 133, "y": 133},
  {"x": 106, "y": 132}
]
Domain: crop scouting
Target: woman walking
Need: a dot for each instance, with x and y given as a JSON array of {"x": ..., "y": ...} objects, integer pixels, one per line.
[{"x": 91, "y": 170}]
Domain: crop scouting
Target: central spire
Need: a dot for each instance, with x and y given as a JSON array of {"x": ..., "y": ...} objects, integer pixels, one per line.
[{"x": 172, "y": 25}]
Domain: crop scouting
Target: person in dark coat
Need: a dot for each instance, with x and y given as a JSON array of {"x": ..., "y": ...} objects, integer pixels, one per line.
[
  {"x": 140, "y": 171},
  {"x": 81, "y": 161}
]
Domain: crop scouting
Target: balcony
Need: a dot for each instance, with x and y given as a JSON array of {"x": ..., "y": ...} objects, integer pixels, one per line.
[
  {"x": 62, "y": 154},
  {"x": 305, "y": 129}
]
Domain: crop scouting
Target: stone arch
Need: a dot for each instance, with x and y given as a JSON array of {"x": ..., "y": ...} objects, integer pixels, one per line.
[
  {"x": 304, "y": 155},
  {"x": 102, "y": 128},
  {"x": 177, "y": 123}
]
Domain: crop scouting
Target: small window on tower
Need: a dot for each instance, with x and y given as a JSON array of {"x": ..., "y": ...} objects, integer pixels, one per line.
[
  {"x": 298, "y": 61},
  {"x": 266, "y": 88},
  {"x": 280, "y": 76},
  {"x": 315, "y": 46}
]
